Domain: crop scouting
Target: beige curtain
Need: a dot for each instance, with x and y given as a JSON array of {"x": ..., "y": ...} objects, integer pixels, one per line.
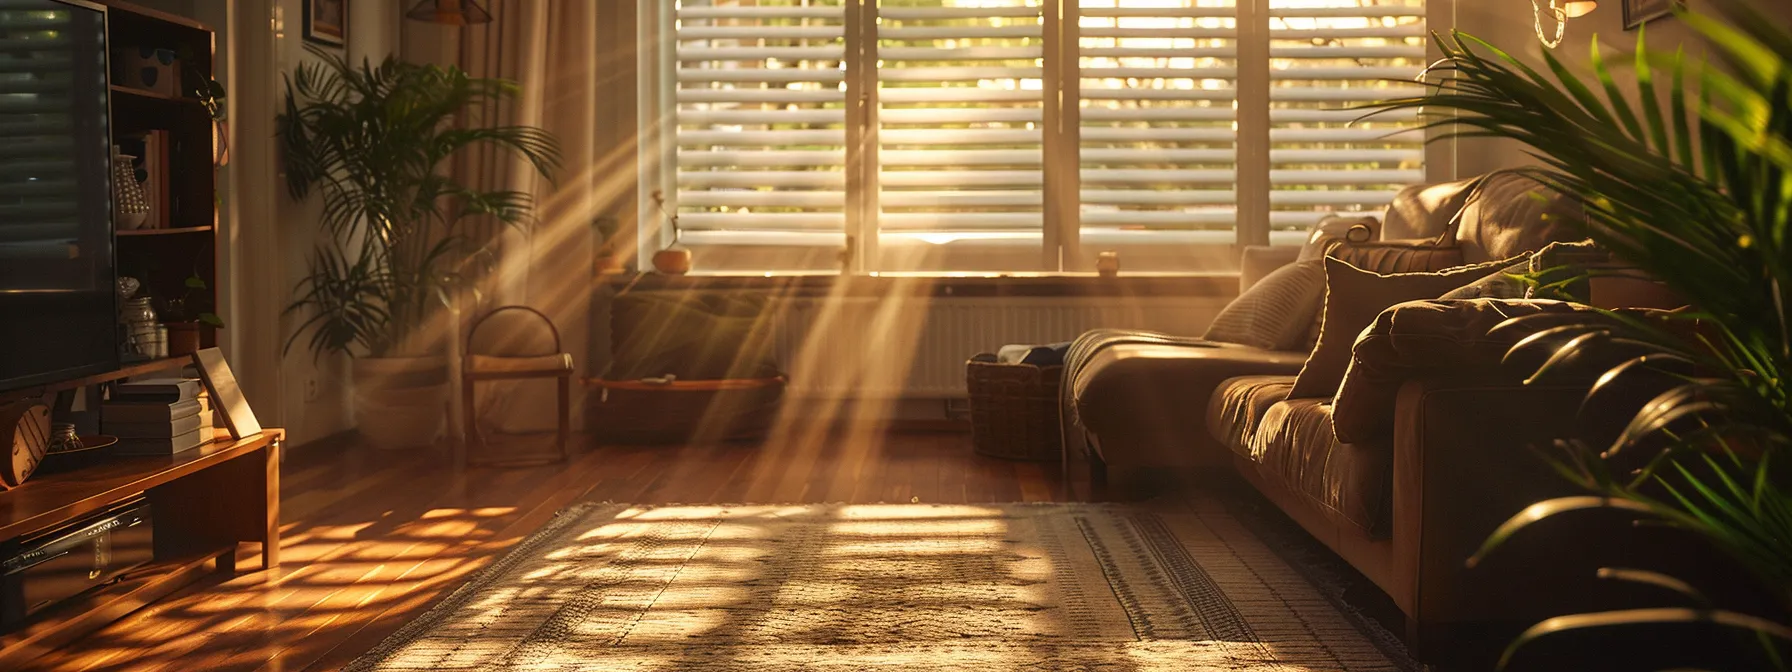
[{"x": 574, "y": 62}]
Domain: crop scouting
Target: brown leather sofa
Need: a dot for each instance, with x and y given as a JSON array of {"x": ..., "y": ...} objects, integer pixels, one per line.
[{"x": 1405, "y": 505}]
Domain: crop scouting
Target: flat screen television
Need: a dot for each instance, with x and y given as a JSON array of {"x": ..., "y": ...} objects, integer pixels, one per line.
[{"x": 58, "y": 305}]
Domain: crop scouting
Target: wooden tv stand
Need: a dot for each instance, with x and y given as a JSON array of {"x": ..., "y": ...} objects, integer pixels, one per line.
[{"x": 204, "y": 501}]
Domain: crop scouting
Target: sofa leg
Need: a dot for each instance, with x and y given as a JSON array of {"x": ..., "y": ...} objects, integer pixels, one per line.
[
  {"x": 1098, "y": 480},
  {"x": 1085, "y": 476}
]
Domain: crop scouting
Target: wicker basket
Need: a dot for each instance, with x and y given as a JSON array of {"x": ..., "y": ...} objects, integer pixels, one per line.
[
  {"x": 1014, "y": 409},
  {"x": 694, "y": 411}
]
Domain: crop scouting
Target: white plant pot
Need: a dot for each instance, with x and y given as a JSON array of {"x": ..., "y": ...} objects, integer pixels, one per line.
[{"x": 401, "y": 402}]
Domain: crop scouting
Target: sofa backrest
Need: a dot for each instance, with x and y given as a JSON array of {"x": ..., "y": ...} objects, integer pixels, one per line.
[{"x": 1494, "y": 216}]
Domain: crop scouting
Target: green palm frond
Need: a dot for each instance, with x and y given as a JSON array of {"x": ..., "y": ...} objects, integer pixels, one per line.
[
  {"x": 373, "y": 141},
  {"x": 1689, "y": 180}
]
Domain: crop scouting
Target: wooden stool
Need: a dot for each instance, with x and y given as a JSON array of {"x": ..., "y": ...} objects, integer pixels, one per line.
[{"x": 525, "y": 361}]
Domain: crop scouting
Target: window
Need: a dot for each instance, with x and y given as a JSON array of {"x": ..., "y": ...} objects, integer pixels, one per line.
[{"x": 1018, "y": 135}]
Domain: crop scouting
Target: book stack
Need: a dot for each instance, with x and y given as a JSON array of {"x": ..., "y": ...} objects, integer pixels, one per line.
[
  {"x": 157, "y": 416},
  {"x": 211, "y": 427}
]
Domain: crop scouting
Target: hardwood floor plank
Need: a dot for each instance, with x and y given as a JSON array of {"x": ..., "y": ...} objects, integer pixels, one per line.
[{"x": 372, "y": 539}]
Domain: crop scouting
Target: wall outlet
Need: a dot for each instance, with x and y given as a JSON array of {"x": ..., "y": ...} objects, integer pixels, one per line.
[{"x": 311, "y": 389}]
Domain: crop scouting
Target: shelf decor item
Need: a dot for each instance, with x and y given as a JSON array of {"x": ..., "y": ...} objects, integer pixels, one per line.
[
  {"x": 147, "y": 69},
  {"x": 227, "y": 396},
  {"x": 130, "y": 204},
  {"x": 26, "y": 426},
  {"x": 138, "y": 317}
]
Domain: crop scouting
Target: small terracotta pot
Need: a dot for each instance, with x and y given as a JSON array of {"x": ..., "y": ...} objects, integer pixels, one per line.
[
  {"x": 183, "y": 338},
  {"x": 672, "y": 262}
]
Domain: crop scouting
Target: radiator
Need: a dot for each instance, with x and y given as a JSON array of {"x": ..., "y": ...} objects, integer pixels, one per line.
[{"x": 916, "y": 347}]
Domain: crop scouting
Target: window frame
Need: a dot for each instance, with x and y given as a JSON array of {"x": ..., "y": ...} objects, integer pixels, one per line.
[{"x": 1060, "y": 246}]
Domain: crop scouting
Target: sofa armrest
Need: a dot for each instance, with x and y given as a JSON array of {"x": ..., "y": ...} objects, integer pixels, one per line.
[
  {"x": 1435, "y": 338},
  {"x": 1470, "y": 454},
  {"x": 1258, "y": 261},
  {"x": 1467, "y": 457}
]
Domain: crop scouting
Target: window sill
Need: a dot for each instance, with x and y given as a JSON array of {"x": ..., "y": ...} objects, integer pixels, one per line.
[{"x": 1016, "y": 285}]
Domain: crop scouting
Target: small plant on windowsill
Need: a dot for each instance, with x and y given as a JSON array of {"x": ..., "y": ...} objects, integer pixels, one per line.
[{"x": 672, "y": 260}]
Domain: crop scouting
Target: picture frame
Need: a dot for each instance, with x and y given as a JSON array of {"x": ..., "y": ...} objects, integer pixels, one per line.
[
  {"x": 326, "y": 22},
  {"x": 227, "y": 396},
  {"x": 1639, "y": 12}
]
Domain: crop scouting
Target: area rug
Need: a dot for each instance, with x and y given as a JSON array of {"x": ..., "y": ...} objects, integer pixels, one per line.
[{"x": 888, "y": 586}]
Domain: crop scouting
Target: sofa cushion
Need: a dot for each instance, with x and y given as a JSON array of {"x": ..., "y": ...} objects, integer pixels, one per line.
[
  {"x": 1144, "y": 398},
  {"x": 1276, "y": 313},
  {"x": 1294, "y": 444},
  {"x": 1353, "y": 297},
  {"x": 1238, "y": 404}
]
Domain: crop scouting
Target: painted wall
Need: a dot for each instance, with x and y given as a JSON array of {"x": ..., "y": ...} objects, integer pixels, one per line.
[
  {"x": 267, "y": 237},
  {"x": 1508, "y": 24},
  {"x": 315, "y": 394}
]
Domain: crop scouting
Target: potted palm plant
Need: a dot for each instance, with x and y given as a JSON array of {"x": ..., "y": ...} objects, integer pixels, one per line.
[
  {"x": 372, "y": 142},
  {"x": 1687, "y": 179}
]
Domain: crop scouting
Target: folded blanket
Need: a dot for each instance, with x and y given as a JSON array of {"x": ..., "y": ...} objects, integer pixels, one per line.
[{"x": 1036, "y": 355}]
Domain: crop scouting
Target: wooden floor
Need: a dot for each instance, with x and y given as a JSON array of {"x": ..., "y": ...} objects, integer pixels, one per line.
[{"x": 371, "y": 538}]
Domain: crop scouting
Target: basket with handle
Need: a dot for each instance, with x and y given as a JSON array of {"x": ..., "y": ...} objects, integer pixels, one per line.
[{"x": 1014, "y": 409}]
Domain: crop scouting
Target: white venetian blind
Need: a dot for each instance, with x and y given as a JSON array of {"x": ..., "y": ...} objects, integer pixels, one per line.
[
  {"x": 1158, "y": 144},
  {"x": 760, "y": 105},
  {"x": 1327, "y": 56},
  {"x": 959, "y": 114}
]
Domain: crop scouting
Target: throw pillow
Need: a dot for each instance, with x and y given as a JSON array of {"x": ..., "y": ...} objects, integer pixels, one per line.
[
  {"x": 1353, "y": 297},
  {"x": 1499, "y": 284},
  {"x": 1274, "y": 313},
  {"x": 1560, "y": 270}
]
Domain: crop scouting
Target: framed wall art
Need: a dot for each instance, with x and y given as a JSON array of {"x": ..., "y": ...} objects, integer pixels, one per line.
[
  {"x": 1639, "y": 12},
  {"x": 326, "y": 22}
]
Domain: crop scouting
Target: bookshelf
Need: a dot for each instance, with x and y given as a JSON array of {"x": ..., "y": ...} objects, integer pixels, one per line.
[{"x": 180, "y": 240}]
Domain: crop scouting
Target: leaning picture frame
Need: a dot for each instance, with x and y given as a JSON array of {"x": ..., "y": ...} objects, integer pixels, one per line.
[
  {"x": 326, "y": 22},
  {"x": 1639, "y": 12}
]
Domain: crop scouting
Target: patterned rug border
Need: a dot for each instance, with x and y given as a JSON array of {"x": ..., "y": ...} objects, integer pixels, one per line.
[
  {"x": 1328, "y": 574},
  {"x": 1325, "y": 580}
]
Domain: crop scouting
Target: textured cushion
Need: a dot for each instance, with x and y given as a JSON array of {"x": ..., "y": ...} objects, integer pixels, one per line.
[
  {"x": 1398, "y": 256},
  {"x": 1275, "y": 313},
  {"x": 1239, "y": 403},
  {"x": 1256, "y": 262},
  {"x": 1353, "y": 297},
  {"x": 1294, "y": 443}
]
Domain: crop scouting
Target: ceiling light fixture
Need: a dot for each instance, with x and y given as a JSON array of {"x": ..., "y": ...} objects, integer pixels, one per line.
[
  {"x": 449, "y": 12},
  {"x": 1561, "y": 11}
]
